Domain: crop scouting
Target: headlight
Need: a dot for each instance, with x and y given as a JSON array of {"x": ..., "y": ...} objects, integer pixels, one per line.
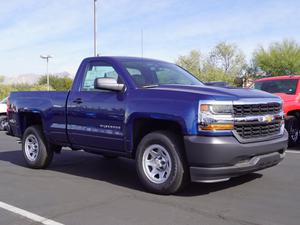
[
  {"x": 215, "y": 117},
  {"x": 217, "y": 109}
]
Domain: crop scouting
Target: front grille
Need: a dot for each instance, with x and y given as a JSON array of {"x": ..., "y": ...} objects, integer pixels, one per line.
[
  {"x": 256, "y": 130},
  {"x": 257, "y": 109}
]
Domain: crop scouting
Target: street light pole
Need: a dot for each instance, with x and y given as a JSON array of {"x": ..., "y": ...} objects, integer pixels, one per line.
[
  {"x": 47, "y": 57},
  {"x": 95, "y": 28}
]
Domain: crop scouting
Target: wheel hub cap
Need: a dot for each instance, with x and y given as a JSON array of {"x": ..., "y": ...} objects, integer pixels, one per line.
[
  {"x": 2, "y": 124},
  {"x": 31, "y": 147},
  {"x": 160, "y": 163},
  {"x": 294, "y": 134},
  {"x": 157, "y": 164}
]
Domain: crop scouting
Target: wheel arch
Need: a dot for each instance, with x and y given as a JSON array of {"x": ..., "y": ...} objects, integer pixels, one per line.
[
  {"x": 27, "y": 119},
  {"x": 143, "y": 126},
  {"x": 295, "y": 113}
]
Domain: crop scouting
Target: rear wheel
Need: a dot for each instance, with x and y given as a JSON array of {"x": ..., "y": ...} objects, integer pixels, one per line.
[
  {"x": 3, "y": 122},
  {"x": 292, "y": 126},
  {"x": 160, "y": 163},
  {"x": 37, "y": 153}
]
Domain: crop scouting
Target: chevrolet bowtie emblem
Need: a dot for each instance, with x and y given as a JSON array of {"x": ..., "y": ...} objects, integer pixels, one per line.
[{"x": 268, "y": 118}]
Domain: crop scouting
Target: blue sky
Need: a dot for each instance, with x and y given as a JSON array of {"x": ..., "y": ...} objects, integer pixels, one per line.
[{"x": 171, "y": 28}]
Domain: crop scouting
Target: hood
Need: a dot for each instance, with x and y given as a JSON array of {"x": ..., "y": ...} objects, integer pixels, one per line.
[
  {"x": 218, "y": 93},
  {"x": 286, "y": 97}
]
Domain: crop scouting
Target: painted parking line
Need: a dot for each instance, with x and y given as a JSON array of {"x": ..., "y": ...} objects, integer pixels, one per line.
[
  {"x": 293, "y": 151},
  {"x": 28, "y": 215}
]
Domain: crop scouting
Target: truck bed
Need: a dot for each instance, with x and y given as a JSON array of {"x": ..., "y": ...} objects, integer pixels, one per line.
[{"x": 50, "y": 105}]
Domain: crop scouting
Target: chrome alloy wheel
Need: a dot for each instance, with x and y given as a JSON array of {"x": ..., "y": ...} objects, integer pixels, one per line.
[
  {"x": 31, "y": 147},
  {"x": 157, "y": 164},
  {"x": 2, "y": 124},
  {"x": 294, "y": 133}
]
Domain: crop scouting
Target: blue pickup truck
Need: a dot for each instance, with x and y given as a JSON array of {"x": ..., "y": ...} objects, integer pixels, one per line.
[{"x": 176, "y": 128}]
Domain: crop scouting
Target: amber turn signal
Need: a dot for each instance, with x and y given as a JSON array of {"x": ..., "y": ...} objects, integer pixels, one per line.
[
  {"x": 204, "y": 107},
  {"x": 217, "y": 127}
]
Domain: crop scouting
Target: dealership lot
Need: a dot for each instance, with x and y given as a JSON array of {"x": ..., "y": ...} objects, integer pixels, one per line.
[{"x": 80, "y": 188}]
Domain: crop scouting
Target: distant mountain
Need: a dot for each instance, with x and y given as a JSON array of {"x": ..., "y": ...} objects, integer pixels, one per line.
[
  {"x": 30, "y": 78},
  {"x": 21, "y": 79}
]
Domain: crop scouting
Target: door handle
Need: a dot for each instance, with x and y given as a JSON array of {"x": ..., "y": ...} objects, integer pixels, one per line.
[{"x": 78, "y": 101}]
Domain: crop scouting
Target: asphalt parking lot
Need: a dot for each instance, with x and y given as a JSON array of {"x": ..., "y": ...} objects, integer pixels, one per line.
[{"x": 85, "y": 189}]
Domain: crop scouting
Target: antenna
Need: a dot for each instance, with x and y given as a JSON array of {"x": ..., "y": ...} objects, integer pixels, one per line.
[
  {"x": 95, "y": 28},
  {"x": 142, "y": 43}
]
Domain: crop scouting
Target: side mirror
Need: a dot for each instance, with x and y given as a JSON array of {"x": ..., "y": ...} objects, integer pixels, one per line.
[{"x": 108, "y": 84}]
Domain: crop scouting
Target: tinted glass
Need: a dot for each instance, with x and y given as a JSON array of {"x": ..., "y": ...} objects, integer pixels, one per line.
[
  {"x": 147, "y": 73},
  {"x": 278, "y": 86},
  {"x": 4, "y": 101}
]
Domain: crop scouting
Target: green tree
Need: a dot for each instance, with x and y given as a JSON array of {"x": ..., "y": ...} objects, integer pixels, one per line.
[
  {"x": 212, "y": 73},
  {"x": 251, "y": 73},
  {"x": 6, "y": 89},
  {"x": 191, "y": 62},
  {"x": 224, "y": 63},
  {"x": 1, "y": 79},
  {"x": 229, "y": 59},
  {"x": 280, "y": 58},
  {"x": 58, "y": 83}
]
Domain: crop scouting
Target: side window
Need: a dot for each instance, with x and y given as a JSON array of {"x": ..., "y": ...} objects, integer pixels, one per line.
[
  {"x": 98, "y": 70},
  {"x": 133, "y": 71}
]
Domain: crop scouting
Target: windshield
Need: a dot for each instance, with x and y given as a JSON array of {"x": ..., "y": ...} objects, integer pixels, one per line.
[
  {"x": 147, "y": 73},
  {"x": 278, "y": 86}
]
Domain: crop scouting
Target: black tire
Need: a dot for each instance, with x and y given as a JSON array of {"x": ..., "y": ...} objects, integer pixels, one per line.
[
  {"x": 3, "y": 120},
  {"x": 178, "y": 175},
  {"x": 44, "y": 154},
  {"x": 55, "y": 148},
  {"x": 292, "y": 127}
]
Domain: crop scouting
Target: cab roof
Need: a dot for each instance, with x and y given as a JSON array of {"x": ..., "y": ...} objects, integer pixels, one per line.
[
  {"x": 124, "y": 58},
  {"x": 279, "y": 78}
]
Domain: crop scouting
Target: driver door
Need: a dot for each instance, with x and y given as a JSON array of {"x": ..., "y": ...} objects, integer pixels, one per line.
[{"x": 96, "y": 117}]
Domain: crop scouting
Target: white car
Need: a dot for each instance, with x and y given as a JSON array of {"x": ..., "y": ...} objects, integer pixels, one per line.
[{"x": 3, "y": 117}]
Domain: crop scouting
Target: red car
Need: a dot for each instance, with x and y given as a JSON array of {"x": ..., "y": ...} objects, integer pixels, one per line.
[{"x": 288, "y": 88}]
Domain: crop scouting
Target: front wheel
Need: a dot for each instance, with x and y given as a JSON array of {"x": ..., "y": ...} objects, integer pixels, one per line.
[
  {"x": 37, "y": 154},
  {"x": 292, "y": 127},
  {"x": 160, "y": 163}
]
